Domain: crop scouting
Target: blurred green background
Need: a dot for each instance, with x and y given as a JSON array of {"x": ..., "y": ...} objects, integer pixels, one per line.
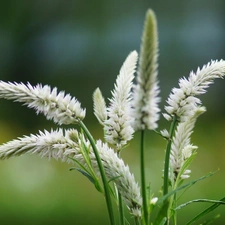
[{"x": 78, "y": 46}]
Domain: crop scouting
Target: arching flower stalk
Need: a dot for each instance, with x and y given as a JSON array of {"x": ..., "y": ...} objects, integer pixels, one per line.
[{"x": 72, "y": 145}]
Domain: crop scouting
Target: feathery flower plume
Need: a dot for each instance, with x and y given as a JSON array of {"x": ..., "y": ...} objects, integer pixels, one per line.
[
  {"x": 63, "y": 109},
  {"x": 125, "y": 181},
  {"x": 56, "y": 145},
  {"x": 181, "y": 149},
  {"x": 145, "y": 93},
  {"x": 118, "y": 129},
  {"x": 99, "y": 106},
  {"x": 47, "y": 144},
  {"x": 182, "y": 101}
]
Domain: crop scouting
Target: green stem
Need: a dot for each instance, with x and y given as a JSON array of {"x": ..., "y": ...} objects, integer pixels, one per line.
[
  {"x": 136, "y": 221},
  {"x": 121, "y": 206},
  {"x": 175, "y": 213},
  {"x": 167, "y": 165},
  {"x": 143, "y": 184},
  {"x": 102, "y": 172},
  {"x": 167, "y": 157},
  {"x": 121, "y": 209}
]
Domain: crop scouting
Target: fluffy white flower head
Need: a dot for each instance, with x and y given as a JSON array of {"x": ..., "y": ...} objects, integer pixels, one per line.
[
  {"x": 63, "y": 146},
  {"x": 182, "y": 101},
  {"x": 181, "y": 149},
  {"x": 117, "y": 127},
  {"x": 145, "y": 109},
  {"x": 60, "y": 107},
  {"x": 100, "y": 110}
]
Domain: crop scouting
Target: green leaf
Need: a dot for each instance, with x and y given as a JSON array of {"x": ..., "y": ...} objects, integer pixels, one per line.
[
  {"x": 90, "y": 178},
  {"x": 81, "y": 166},
  {"x": 206, "y": 211},
  {"x": 161, "y": 219},
  {"x": 86, "y": 174},
  {"x": 210, "y": 221},
  {"x": 185, "y": 186},
  {"x": 198, "y": 200},
  {"x": 148, "y": 196},
  {"x": 113, "y": 178},
  {"x": 184, "y": 167}
]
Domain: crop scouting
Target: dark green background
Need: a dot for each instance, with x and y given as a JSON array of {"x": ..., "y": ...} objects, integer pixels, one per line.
[{"x": 78, "y": 46}]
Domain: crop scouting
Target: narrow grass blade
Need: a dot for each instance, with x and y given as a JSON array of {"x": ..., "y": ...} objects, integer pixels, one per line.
[
  {"x": 206, "y": 211},
  {"x": 185, "y": 186},
  {"x": 197, "y": 201}
]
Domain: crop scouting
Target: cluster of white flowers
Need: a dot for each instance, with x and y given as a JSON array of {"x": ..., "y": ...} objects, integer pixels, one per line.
[
  {"x": 127, "y": 112},
  {"x": 137, "y": 110},
  {"x": 182, "y": 101},
  {"x": 63, "y": 109}
]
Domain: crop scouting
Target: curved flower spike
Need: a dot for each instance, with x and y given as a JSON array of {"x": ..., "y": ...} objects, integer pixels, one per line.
[
  {"x": 61, "y": 146},
  {"x": 61, "y": 108},
  {"x": 118, "y": 126},
  {"x": 182, "y": 101}
]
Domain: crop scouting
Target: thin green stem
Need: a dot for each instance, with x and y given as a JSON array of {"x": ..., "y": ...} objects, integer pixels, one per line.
[
  {"x": 121, "y": 206},
  {"x": 121, "y": 209},
  {"x": 102, "y": 172},
  {"x": 167, "y": 165},
  {"x": 136, "y": 221},
  {"x": 174, "y": 206},
  {"x": 143, "y": 183},
  {"x": 167, "y": 157}
]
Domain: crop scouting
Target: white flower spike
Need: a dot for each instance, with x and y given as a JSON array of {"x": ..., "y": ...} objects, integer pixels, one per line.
[
  {"x": 181, "y": 149},
  {"x": 117, "y": 127},
  {"x": 63, "y": 109},
  {"x": 100, "y": 110},
  {"x": 62, "y": 147},
  {"x": 145, "y": 93},
  {"x": 182, "y": 101}
]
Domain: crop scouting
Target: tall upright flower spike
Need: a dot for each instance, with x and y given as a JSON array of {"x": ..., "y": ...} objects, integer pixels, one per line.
[
  {"x": 181, "y": 148},
  {"x": 61, "y": 146},
  {"x": 63, "y": 109},
  {"x": 145, "y": 92},
  {"x": 117, "y": 127},
  {"x": 100, "y": 110},
  {"x": 182, "y": 101}
]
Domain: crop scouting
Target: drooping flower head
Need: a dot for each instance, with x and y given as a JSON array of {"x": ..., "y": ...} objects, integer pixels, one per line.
[
  {"x": 66, "y": 146},
  {"x": 145, "y": 93},
  {"x": 182, "y": 101}
]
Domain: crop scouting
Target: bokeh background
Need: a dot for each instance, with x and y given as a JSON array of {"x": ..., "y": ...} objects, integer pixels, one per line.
[{"x": 78, "y": 46}]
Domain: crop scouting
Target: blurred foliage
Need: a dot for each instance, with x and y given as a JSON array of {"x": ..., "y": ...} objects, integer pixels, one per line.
[{"x": 78, "y": 46}]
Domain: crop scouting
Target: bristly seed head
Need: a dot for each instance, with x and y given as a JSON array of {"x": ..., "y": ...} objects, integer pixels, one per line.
[
  {"x": 145, "y": 109},
  {"x": 61, "y": 108},
  {"x": 182, "y": 101},
  {"x": 118, "y": 126}
]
